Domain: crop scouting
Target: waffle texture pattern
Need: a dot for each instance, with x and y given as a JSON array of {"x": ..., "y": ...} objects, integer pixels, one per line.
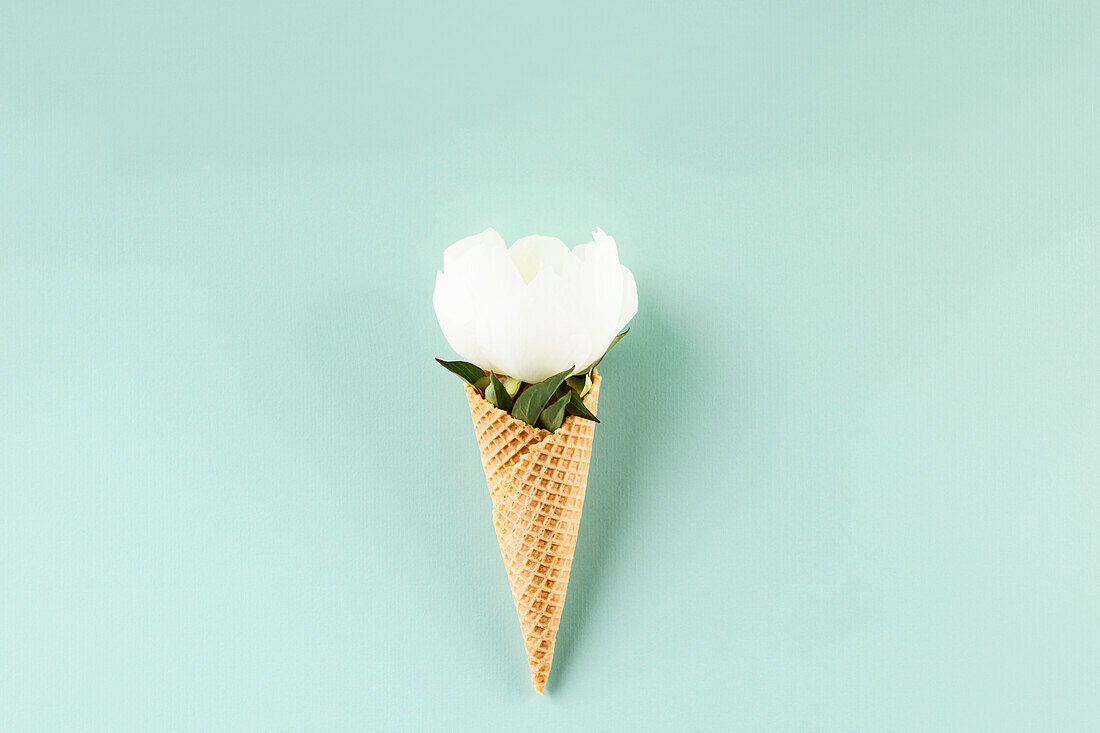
[{"x": 536, "y": 479}]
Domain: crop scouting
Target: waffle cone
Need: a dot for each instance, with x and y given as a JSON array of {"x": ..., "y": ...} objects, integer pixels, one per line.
[{"x": 536, "y": 479}]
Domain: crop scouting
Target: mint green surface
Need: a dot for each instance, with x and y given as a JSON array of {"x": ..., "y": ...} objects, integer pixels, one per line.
[{"x": 848, "y": 474}]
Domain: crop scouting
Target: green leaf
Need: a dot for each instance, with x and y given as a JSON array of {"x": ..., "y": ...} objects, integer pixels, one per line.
[
  {"x": 464, "y": 369},
  {"x": 553, "y": 415},
  {"x": 497, "y": 395},
  {"x": 610, "y": 346},
  {"x": 512, "y": 385},
  {"x": 580, "y": 384},
  {"x": 578, "y": 408},
  {"x": 530, "y": 402}
]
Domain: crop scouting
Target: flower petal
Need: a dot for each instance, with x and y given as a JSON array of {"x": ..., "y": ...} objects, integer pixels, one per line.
[
  {"x": 485, "y": 241},
  {"x": 533, "y": 254},
  {"x": 454, "y": 309}
]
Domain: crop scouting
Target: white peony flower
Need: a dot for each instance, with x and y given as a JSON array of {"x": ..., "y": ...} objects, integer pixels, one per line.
[{"x": 535, "y": 309}]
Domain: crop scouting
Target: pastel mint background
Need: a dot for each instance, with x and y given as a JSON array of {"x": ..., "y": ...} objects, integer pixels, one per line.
[{"x": 848, "y": 475}]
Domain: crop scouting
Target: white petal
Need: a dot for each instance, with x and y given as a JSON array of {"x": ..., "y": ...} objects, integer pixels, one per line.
[
  {"x": 486, "y": 240},
  {"x": 454, "y": 309},
  {"x": 606, "y": 244},
  {"x": 531, "y": 339},
  {"x": 476, "y": 273},
  {"x": 533, "y": 254}
]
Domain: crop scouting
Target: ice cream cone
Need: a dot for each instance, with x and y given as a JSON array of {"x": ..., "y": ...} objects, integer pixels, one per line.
[{"x": 536, "y": 479}]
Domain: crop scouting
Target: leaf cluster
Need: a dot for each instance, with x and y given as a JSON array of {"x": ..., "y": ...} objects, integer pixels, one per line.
[{"x": 543, "y": 404}]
